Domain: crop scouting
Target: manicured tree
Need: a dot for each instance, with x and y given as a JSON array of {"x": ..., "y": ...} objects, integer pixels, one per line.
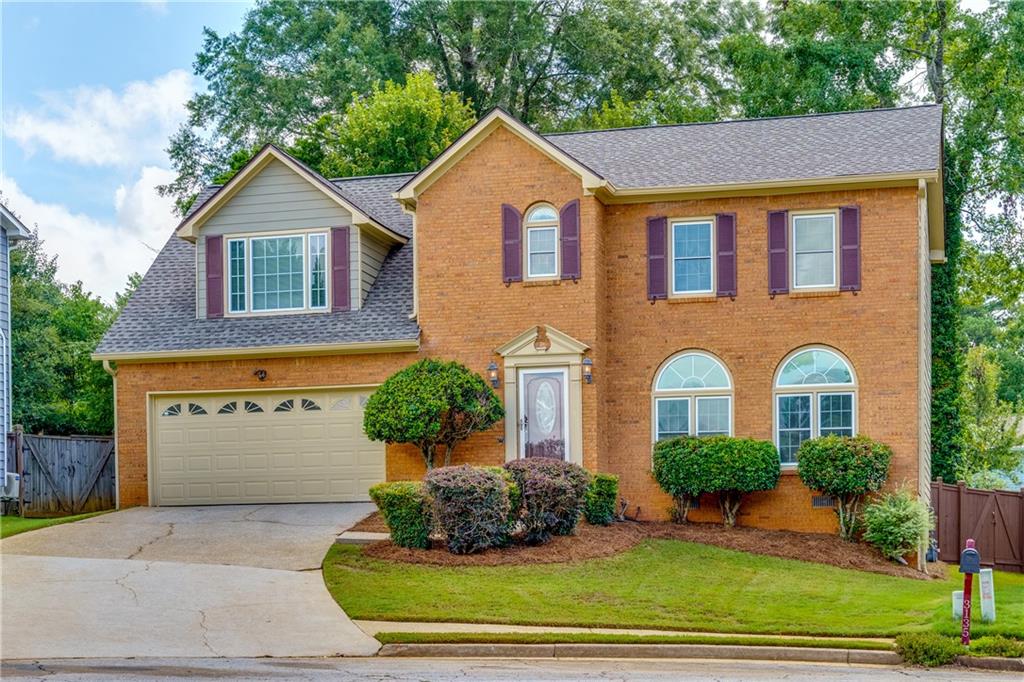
[
  {"x": 846, "y": 468},
  {"x": 734, "y": 467},
  {"x": 431, "y": 404},
  {"x": 678, "y": 470}
]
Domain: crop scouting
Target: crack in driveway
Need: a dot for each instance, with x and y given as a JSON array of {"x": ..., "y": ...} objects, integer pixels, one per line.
[
  {"x": 120, "y": 582},
  {"x": 137, "y": 552}
]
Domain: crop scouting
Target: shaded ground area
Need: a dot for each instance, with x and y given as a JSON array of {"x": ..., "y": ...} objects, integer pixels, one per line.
[{"x": 591, "y": 542}]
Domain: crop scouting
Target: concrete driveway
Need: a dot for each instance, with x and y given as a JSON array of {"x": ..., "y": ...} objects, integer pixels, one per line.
[{"x": 233, "y": 581}]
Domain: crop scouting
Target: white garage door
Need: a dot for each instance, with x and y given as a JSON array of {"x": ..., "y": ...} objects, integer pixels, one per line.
[{"x": 235, "y": 448}]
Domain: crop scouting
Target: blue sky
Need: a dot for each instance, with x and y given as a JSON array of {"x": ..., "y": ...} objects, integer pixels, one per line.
[{"x": 90, "y": 94}]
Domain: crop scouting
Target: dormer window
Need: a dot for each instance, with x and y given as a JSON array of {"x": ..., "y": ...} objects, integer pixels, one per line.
[
  {"x": 280, "y": 273},
  {"x": 542, "y": 243}
]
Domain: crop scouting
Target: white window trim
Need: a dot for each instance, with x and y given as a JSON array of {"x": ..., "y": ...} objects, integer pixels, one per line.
[
  {"x": 793, "y": 216},
  {"x": 693, "y": 399},
  {"x": 308, "y": 256},
  {"x": 521, "y": 389},
  {"x": 306, "y": 270},
  {"x": 691, "y": 394},
  {"x": 814, "y": 391},
  {"x": 672, "y": 253},
  {"x": 529, "y": 226},
  {"x": 245, "y": 276}
]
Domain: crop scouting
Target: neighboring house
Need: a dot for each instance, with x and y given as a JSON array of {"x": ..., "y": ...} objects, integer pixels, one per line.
[
  {"x": 11, "y": 230},
  {"x": 764, "y": 278}
]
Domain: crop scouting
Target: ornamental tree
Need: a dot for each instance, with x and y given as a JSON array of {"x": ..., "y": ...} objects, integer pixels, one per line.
[
  {"x": 431, "y": 404},
  {"x": 846, "y": 468}
]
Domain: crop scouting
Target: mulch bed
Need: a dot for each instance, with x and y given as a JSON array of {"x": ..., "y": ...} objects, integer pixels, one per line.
[
  {"x": 593, "y": 542},
  {"x": 374, "y": 523}
]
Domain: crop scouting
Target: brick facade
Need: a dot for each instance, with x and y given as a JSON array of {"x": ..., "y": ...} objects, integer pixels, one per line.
[{"x": 466, "y": 311}]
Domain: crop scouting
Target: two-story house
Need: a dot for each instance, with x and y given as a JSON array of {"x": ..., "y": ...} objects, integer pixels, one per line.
[{"x": 765, "y": 278}]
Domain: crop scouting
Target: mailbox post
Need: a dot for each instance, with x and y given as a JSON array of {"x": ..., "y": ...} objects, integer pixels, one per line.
[{"x": 970, "y": 563}]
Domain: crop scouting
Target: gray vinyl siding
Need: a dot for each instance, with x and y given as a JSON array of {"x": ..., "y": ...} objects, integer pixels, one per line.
[
  {"x": 276, "y": 199},
  {"x": 5, "y": 342},
  {"x": 372, "y": 252}
]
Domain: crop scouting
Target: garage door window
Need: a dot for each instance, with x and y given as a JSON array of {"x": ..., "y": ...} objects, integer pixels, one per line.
[
  {"x": 310, "y": 405},
  {"x": 195, "y": 409},
  {"x": 252, "y": 408},
  {"x": 172, "y": 411},
  {"x": 228, "y": 408},
  {"x": 285, "y": 406}
]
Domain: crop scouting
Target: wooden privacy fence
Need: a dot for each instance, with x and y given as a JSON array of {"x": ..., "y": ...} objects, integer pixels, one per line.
[
  {"x": 62, "y": 475},
  {"x": 994, "y": 518}
]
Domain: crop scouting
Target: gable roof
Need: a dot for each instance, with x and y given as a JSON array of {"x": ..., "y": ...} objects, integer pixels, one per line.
[
  {"x": 160, "y": 319},
  {"x": 840, "y": 148},
  {"x": 16, "y": 230},
  {"x": 200, "y": 211}
]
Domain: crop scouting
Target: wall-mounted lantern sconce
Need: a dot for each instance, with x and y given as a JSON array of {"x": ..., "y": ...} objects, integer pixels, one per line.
[
  {"x": 260, "y": 374},
  {"x": 492, "y": 374},
  {"x": 588, "y": 370}
]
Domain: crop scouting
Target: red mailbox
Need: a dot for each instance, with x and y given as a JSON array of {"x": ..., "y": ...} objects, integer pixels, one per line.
[{"x": 970, "y": 563}]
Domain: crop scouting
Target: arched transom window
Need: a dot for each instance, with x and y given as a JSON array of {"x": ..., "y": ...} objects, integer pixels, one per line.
[
  {"x": 692, "y": 397},
  {"x": 541, "y": 242},
  {"x": 815, "y": 395}
]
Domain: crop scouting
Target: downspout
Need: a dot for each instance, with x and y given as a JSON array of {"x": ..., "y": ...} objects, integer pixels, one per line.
[{"x": 112, "y": 371}]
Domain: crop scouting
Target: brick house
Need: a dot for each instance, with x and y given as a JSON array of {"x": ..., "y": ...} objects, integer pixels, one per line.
[{"x": 765, "y": 278}]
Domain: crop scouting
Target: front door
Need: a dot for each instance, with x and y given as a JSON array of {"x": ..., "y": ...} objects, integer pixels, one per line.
[{"x": 543, "y": 404}]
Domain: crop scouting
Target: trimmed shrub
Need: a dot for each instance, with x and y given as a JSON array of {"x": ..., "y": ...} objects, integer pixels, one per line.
[
  {"x": 928, "y": 649},
  {"x": 678, "y": 470},
  {"x": 847, "y": 469},
  {"x": 431, "y": 404},
  {"x": 406, "y": 509},
  {"x": 897, "y": 524},
  {"x": 470, "y": 506},
  {"x": 997, "y": 645},
  {"x": 599, "y": 502},
  {"x": 734, "y": 467},
  {"x": 553, "y": 494},
  {"x": 515, "y": 502}
]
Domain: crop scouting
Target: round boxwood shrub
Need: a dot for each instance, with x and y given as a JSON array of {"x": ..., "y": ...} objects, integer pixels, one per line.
[
  {"x": 677, "y": 469},
  {"x": 431, "y": 404},
  {"x": 406, "y": 509},
  {"x": 846, "y": 468},
  {"x": 599, "y": 501},
  {"x": 734, "y": 467},
  {"x": 470, "y": 507},
  {"x": 553, "y": 493},
  {"x": 897, "y": 524}
]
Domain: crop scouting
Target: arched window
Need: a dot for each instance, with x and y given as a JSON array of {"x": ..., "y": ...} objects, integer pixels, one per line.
[
  {"x": 541, "y": 241},
  {"x": 815, "y": 395},
  {"x": 692, "y": 397}
]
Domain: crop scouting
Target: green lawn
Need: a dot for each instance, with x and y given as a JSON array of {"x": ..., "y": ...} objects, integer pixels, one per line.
[
  {"x": 12, "y": 525},
  {"x": 601, "y": 638},
  {"x": 663, "y": 584}
]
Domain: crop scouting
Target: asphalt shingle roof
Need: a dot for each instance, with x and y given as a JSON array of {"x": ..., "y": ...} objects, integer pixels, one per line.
[
  {"x": 757, "y": 150},
  {"x": 161, "y": 315}
]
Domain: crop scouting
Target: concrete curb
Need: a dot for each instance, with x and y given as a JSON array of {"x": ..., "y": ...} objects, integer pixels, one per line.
[
  {"x": 357, "y": 537},
  {"x": 1010, "y": 665},
  {"x": 731, "y": 651}
]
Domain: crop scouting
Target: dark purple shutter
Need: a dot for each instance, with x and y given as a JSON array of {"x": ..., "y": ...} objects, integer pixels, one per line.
[
  {"x": 214, "y": 276},
  {"x": 340, "y": 282},
  {"x": 726, "y": 226},
  {"x": 778, "y": 252},
  {"x": 657, "y": 263},
  {"x": 512, "y": 244},
  {"x": 569, "y": 224},
  {"x": 849, "y": 253}
]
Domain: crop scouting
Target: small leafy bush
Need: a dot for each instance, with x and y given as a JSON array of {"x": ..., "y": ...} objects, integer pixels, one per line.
[
  {"x": 897, "y": 524},
  {"x": 997, "y": 645},
  {"x": 470, "y": 506},
  {"x": 846, "y": 468},
  {"x": 553, "y": 495},
  {"x": 515, "y": 502},
  {"x": 431, "y": 404},
  {"x": 928, "y": 649},
  {"x": 599, "y": 501},
  {"x": 406, "y": 509},
  {"x": 677, "y": 469},
  {"x": 687, "y": 467}
]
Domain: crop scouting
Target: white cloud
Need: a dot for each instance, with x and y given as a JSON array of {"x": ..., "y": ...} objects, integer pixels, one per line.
[
  {"x": 96, "y": 126},
  {"x": 155, "y": 6},
  {"x": 101, "y": 253}
]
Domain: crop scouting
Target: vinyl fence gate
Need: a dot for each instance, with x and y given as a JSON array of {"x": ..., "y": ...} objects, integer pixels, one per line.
[{"x": 994, "y": 518}]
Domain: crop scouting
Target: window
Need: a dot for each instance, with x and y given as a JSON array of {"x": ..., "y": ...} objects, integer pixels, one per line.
[
  {"x": 815, "y": 395},
  {"x": 195, "y": 409},
  {"x": 228, "y": 408},
  {"x": 692, "y": 264},
  {"x": 692, "y": 397},
  {"x": 285, "y": 406},
  {"x": 279, "y": 273},
  {"x": 252, "y": 408},
  {"x": 542, "y": 242},
  {"x": 310, "y": 405},
  {"x": 172, "y": 411},
  {"x": 814, "y": 250}
]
